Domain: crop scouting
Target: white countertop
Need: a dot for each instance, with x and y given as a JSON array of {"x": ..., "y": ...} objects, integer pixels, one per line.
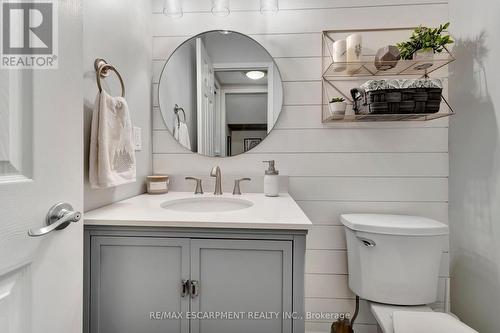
[{"x": 145, "y": 210}]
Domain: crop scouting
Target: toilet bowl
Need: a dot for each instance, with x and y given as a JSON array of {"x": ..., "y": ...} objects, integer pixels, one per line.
[
  {"x": 415, "y": 319},
  {"x": 393, "y": 262}
]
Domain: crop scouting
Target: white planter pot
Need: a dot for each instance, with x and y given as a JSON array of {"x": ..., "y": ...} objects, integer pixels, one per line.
[{"x": 337, "y": 109}]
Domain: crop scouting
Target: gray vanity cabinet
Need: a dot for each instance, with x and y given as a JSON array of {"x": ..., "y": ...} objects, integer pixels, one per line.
[
  {"x": 242, "y": 277},
  {"x": 131, "y": 275}
]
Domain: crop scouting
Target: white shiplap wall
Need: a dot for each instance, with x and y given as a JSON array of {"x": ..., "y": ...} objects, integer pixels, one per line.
[
  {"x": 332, "y": 169},
  {"x": 124, "y": 40}
]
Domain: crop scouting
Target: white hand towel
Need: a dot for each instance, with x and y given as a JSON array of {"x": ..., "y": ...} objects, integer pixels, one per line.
[
  {"x": 112, "y": 157},
  {"x": 181, "y": 134}
]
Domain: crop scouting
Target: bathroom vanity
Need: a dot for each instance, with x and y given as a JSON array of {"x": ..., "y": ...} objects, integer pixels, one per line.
[{"x": 181, "y": 262}]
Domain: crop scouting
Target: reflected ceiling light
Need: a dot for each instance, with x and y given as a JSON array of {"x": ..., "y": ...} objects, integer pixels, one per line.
[
  {"x": 255, "y": 75},
  {"x": 173, "y": 8},
  {"x": 269, "y": 6},
  {"x": 220, "y": 7},
  {"x": 225, "y": 32}
]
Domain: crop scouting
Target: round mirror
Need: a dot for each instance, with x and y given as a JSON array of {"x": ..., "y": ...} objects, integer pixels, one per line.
[{"x": 220, "y": 94}]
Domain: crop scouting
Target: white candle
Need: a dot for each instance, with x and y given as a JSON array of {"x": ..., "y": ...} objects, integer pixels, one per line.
[
  {"x": 339, "y": 55},
  {"x": 339, "y": 51},
  {"x": 354, "y": 47}
]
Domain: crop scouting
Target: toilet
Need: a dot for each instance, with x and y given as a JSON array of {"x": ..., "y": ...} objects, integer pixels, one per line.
[{"x": 394, "y": 264}]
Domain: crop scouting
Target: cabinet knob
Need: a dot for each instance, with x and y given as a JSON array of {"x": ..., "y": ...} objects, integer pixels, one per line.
[
  {"x": 195, "y": 288},
  {"x": 185, "y": 288}
]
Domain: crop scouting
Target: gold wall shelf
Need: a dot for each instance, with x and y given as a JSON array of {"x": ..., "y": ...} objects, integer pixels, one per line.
[
  {"x": 387, "y": 117},
  {"x": 403, "y": 67},
  {"x": 335, "y": 72}
]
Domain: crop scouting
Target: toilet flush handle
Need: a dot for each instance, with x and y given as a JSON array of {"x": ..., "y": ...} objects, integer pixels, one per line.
[{"x": 367, "y": 242}]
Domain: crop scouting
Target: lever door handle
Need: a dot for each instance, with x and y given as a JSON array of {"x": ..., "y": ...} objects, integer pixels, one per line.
[{"x": 58, "y": 218}]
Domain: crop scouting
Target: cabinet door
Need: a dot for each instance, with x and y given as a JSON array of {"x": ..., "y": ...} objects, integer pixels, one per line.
[
  {"x": 241, "y": 276},
  {"x": 133, "y": 278}
]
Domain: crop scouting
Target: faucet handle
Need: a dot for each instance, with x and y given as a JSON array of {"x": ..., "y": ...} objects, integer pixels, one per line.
[
  {"x": 199, "y": 188},
  {"x": 236, "y": 189}
]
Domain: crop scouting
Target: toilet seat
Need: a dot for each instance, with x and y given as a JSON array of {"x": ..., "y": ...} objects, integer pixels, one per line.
[
  {"x": 383, "y": 314},
  {"x": 415, "y": 319},
  {"x": 429, "y": 322}
]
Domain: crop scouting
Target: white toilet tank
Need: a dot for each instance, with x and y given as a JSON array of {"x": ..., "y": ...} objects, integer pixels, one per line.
[{"x": 394, "y": 259}]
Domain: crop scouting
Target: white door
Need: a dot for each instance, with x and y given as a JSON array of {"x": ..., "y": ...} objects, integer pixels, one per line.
[
  {"x": 41, "y": 277},
  {"x": 220, "y": 123},
  {"x": 205, "y": 78}
]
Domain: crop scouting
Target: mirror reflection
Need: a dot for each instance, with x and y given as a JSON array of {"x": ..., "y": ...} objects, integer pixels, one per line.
[{"x": 220, "y": 94}]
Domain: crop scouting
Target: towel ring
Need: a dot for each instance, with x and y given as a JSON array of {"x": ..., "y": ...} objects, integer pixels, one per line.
[{"x": 102, "y": 69}]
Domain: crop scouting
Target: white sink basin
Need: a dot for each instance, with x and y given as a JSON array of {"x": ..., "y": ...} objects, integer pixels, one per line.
[{"x": 207, "y": 204}]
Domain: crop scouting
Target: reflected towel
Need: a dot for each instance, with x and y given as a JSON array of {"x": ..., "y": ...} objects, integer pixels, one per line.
[
  {"x": 181, "y": 134},
  {"x": 112, "y": 157}
]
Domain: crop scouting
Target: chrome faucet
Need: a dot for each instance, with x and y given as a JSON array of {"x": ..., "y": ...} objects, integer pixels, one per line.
[{"x": 218, "y": 180}]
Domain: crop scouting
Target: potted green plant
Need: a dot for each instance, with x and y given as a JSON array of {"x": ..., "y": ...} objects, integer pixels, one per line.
[
  {"x": 337, "y": 106},
  {"x": 425, "y": 42}
]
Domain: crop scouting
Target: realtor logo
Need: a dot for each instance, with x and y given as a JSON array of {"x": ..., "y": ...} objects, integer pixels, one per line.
[{"x": 29, "y": 34}]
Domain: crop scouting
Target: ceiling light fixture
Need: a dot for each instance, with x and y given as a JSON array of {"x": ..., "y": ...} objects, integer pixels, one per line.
[
  {"x": 220, "y": 7},
  {"x": 269, "y": 6},
  {"x": 173, "y": 8},
  {"x": 255, "y": 75}
]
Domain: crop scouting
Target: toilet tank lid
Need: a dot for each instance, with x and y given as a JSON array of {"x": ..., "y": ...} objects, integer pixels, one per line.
[{"x": 403, "y": 225}]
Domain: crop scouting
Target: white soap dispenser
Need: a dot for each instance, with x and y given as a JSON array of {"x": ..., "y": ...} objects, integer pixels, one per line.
[{"x": 271, "y": 181}]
